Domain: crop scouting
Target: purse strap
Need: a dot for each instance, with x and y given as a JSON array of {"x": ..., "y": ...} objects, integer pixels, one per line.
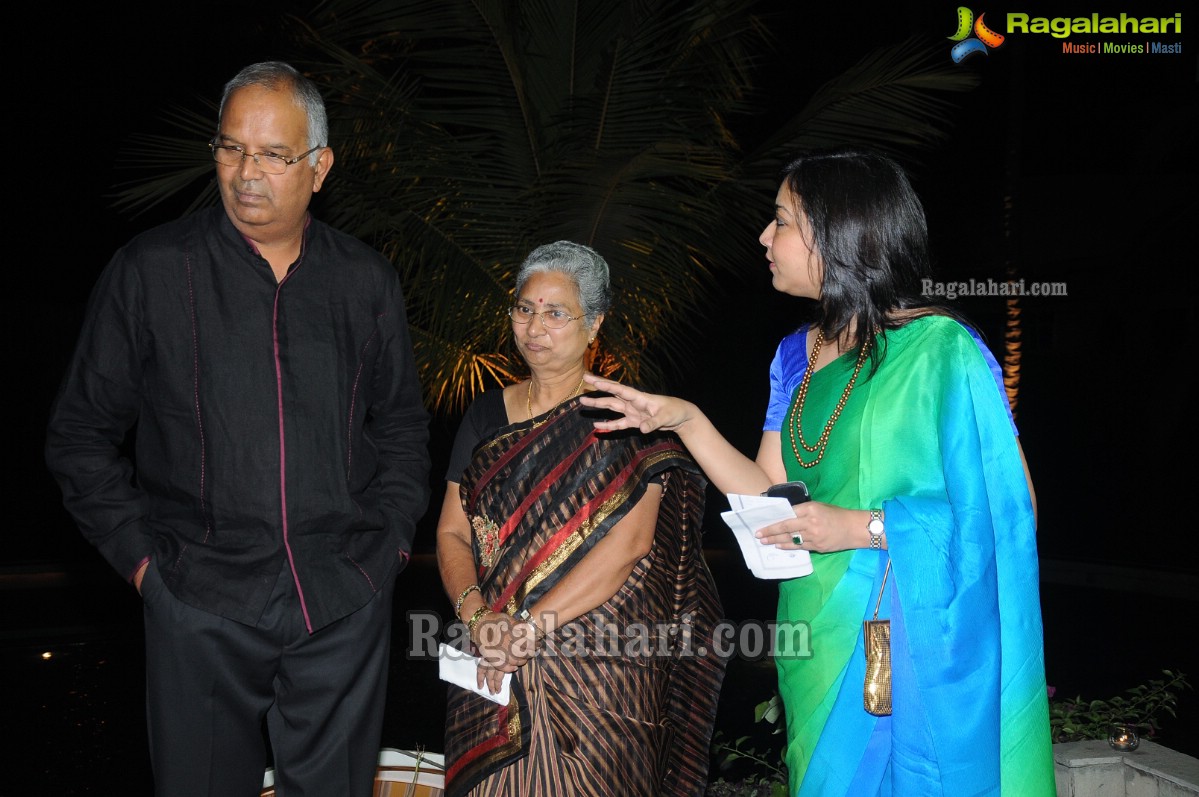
[{"x": 879, "y": 602}]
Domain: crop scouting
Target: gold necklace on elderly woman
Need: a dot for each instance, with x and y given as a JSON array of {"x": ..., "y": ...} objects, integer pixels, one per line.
[
  {"x": 529, "y": 400},
  {"x": 801, "y": 398}
]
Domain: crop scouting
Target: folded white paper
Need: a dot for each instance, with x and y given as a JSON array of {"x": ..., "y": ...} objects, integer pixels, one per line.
[
  {"x": 461, "y": 669},
  {"x": 747, "y": 514}
]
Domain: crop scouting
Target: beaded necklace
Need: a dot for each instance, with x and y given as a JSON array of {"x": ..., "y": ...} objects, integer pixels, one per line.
[
  {"x": 529, "y": 400},
  {"x": 801, "y": 397}
]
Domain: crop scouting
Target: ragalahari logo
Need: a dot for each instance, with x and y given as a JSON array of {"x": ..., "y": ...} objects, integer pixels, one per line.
[{"x": 968, "y": 45}]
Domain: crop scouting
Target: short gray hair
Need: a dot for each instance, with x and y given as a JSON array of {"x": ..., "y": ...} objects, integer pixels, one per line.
[
  {"x": 585, "y": 267},
  {"x": 276, "y": 76}
]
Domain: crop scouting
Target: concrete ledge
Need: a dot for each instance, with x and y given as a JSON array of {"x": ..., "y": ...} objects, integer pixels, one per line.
[{"x": 1094, "y": 769}]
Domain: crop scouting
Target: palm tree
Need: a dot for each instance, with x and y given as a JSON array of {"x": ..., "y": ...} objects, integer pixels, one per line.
[{"x": 469, "y": 131}]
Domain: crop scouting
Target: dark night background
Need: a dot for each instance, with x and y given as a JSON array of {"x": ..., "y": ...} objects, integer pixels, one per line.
[{"x": 1069, "y": 168}]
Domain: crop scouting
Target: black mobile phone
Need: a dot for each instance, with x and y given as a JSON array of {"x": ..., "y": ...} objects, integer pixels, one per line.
[{"x": 794, "y": 492}]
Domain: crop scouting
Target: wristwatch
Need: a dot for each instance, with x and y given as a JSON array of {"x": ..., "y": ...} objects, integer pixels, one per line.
[
  {"x": 524, "y": 615},
  {"x": 875, "y": 527}
]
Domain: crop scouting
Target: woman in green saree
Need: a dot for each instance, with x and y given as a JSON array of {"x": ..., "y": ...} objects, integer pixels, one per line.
[{"x": 886, "y": 407}]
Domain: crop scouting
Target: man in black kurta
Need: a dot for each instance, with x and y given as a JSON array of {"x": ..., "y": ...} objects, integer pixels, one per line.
[{"x": 279, "y": 466}]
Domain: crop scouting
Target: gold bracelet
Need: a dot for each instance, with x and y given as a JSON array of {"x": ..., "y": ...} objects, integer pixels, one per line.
[
  {"x": 462, "y": 597},
  {"x": 475, "y": 618}
]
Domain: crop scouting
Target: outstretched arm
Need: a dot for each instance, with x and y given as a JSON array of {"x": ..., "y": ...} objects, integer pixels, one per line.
[
  {"x": 726, "y": 467},
  {"x": 822, "y": 527}
]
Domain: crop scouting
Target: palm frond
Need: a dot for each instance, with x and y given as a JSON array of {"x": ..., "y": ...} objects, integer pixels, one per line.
[
  {"x": 898, "y": 99},
  {"x": 167, "y": 166}
]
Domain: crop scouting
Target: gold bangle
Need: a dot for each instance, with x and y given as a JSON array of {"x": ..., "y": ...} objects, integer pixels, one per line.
[
  {"x": 475, "y": 618},
  {"x": 462, "y": 597}
]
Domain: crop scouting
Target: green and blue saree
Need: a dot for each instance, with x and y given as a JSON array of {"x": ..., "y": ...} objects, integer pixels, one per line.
[{"x": 929, "y": 439}]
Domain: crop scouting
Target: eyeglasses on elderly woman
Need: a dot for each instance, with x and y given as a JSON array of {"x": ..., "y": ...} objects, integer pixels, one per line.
[{"x": 552, "y": 319}]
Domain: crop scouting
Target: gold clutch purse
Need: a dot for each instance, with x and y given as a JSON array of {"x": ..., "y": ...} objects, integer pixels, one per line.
[{"x": 876, "y": 693}]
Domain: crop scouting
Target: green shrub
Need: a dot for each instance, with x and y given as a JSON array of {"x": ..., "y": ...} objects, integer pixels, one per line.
[
  {"x": 762, "y": 772},
  {"x": 1140, "y": 707}
]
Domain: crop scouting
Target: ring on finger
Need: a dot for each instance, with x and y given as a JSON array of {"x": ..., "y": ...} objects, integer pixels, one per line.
[{"x": 797, "y": 539}]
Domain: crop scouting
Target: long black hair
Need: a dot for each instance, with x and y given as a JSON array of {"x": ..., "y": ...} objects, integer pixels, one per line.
[{"x": 869, "y": 230}]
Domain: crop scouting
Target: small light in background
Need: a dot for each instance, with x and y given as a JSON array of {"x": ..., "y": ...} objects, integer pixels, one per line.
[
  {"x": 47, "y": 655},
  {"x": 1123, "y": 736}
]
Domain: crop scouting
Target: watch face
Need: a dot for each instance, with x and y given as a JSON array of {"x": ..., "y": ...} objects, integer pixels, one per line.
[{"x": 875, "y": 526}]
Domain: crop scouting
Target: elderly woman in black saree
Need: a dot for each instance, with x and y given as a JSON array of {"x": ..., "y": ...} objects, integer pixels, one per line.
[{"x": 576, "y": 562}]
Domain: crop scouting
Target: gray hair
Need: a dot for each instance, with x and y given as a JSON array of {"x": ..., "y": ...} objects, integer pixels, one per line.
[
  {"x": 275, "y": 76},
  {"x": 585, "y": 267}
]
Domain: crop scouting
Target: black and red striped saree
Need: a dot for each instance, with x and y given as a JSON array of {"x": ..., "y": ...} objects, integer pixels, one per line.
[{"x": 622, "y": 700}]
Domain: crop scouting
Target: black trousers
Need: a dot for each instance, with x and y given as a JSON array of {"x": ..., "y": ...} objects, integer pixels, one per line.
[{"x": 211, "y": 681}]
